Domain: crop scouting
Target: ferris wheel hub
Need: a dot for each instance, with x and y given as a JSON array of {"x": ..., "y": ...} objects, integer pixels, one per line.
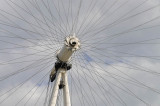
[
  {"x": 71, "y": 45},
  {"x": 64, "y": 55},
  {"x": 72, "y": 42}
]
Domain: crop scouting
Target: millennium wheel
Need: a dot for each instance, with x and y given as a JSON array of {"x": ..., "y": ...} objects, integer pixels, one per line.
[{"x": 79, "y": 52}]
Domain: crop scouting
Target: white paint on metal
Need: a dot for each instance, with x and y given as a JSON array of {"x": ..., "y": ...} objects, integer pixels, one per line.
[
  {"x": 70, "y": 46},
  {"x": 55, "y": 89},
  {"x": 66, "y": 95}
]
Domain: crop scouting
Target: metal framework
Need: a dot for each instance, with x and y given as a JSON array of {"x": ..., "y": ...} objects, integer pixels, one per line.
[{"x": 59, "y": 71}]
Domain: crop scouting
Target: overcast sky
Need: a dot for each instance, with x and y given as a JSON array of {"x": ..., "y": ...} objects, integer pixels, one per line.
[{"x": 118, "y": 63}]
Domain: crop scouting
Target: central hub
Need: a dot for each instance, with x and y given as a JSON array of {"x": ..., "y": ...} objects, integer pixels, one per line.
[
  {"x": 72, "y": 42},
  {"x": 70, "y": 46}
]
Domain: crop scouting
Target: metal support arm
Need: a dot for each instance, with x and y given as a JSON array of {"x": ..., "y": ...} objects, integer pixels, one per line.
[{"x": 60, "y": 75}]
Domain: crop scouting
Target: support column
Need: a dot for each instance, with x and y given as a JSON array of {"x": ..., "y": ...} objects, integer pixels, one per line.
[
  {"x": 53, "y": 99},
  {"x": 66, "y": 95}
]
